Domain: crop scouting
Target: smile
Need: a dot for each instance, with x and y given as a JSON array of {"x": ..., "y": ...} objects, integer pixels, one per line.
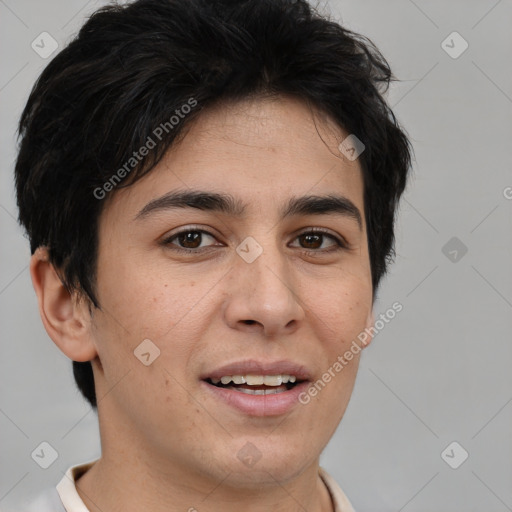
[{"x": 256, "y": 384}]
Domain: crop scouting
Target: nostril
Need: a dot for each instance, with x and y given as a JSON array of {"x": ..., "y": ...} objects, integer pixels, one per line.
[{"x": 248, "y": 322}]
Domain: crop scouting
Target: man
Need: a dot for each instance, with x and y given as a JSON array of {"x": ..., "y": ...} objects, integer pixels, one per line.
[{"x": 209, "y": 189}]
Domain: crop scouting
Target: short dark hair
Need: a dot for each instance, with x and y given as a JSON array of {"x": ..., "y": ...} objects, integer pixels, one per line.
[{"x": 132, "y": 67}]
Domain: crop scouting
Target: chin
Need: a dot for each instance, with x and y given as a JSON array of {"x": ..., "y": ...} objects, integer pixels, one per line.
[{"x": 262, "y": 462}]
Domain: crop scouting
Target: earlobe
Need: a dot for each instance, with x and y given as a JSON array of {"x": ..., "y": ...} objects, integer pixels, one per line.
[{"x": 66, "y": 321}]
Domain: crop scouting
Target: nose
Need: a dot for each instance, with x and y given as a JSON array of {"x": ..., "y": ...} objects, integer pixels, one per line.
[{"x": 263, "y": 295}]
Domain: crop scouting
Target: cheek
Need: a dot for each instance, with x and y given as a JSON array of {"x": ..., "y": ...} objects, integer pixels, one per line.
[
  {"x": 173, "y": 315},
  {"x": 147, "y": 300},
  {"x": 341, "y": 311}
]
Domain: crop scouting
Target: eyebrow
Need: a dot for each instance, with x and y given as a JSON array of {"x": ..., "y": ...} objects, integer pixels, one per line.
[{"x": 227, "y": 204}]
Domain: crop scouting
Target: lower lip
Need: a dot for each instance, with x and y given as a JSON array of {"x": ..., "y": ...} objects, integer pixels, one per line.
[{"x": 259, "y": 405}]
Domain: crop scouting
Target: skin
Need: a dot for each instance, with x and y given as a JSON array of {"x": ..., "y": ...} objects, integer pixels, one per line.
[{"x": 165, "y": 444}]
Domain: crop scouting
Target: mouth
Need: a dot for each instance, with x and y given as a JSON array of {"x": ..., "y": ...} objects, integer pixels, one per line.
[
  {"x": 257, "y": 388},
  {"x": 256, "y": 384}
]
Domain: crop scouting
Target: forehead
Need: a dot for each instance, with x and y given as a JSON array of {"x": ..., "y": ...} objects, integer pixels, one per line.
[{"x": 262, "y": 151}]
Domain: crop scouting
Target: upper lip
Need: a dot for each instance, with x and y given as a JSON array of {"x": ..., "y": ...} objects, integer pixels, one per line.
[{"x": 255, "y": 367}]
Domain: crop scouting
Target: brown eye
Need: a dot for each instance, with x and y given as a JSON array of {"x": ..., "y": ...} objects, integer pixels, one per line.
[
  {"x": 314, "y": 239},
  {"x": 188, "y": 240},
  {"x": 311, "y": 241}
]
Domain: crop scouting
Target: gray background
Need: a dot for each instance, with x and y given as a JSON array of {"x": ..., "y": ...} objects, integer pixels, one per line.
[{"x": 439, "y": 372}]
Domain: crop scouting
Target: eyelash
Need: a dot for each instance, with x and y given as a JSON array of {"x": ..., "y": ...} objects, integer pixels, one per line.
[{"x": 341, "y": 243}]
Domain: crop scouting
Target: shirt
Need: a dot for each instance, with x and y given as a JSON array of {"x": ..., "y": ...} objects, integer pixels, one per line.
[{"x": 65, "y": 498}]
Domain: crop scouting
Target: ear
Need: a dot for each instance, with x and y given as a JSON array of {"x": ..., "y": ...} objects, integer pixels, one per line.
[
  {"x": 369, "y": 328},
  {"x": 66, "y": 319}
]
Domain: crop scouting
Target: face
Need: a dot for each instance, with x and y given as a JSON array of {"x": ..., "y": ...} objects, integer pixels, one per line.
[{"x": 264, "y": 278}]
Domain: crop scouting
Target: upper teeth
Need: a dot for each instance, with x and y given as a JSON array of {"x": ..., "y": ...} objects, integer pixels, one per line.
[{"x": 256, "y": 380}]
